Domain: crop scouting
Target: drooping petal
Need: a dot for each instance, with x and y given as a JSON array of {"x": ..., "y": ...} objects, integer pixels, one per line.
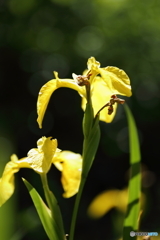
[
  {"x": 47, "y": 90},
  {"x": 7, "y": 180},
  {"x": 100, "y": 95},
  {"x": 40, "y": 159},
  {"x": 43, "y": 99},
  {"x": 116, "y": 80},
  {"x": 107, "y": 200},
  {"x": 70, "y": 164}
]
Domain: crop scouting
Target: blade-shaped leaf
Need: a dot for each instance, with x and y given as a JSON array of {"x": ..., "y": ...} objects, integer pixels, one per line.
[
  {"x": 91, "y": 133},
  {"x": 56, "y": 215},
  {"x": 131, "y": 222},
  {"x": 90, "y": 146},
  {"x": 44, "y": 213}
]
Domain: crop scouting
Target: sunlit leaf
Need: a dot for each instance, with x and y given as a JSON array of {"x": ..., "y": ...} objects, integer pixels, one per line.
[
  {"x": 131, "y": 222},
  {"x": 44, "y": 213}
]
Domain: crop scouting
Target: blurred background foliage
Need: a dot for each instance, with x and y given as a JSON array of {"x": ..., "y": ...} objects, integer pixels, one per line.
[{"x": 38, "y": 37}]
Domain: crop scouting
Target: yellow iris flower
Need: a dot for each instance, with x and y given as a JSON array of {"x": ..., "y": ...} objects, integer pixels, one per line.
[
  {"x": 40, "y": 159},
  {"x": 104, "y": 82}
]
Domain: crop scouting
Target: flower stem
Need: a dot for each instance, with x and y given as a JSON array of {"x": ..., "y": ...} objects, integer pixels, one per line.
[
  {"x": 54, "y": 208},
  {"x": 46, "y": 189},
  {"x": 91, "y": 134},
  {"x": 90, "y": 146},
  {"x": 88, "y": 93},
  {"x": 75, "y": 211}
]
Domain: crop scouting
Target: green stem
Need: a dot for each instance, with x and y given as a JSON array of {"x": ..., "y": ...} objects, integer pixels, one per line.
[
  {"x": 75, "y": 211},
  {"x": 46, "y": 189},
  {"x": 88, "y": 93},
  {"x": 90, "y": 146},
  {"x": 54, "y": 207},
  {"x": 91, "y": 134},
  {"x": 78, "y": 198}
]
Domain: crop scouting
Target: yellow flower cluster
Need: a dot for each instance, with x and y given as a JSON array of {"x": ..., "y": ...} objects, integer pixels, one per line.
[{"x": 104, "y": 83}]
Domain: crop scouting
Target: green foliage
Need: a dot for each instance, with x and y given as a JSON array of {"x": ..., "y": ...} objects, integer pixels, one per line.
[
  {"x": 49, "y": 221},
  {"x": 131, "y": 222}
]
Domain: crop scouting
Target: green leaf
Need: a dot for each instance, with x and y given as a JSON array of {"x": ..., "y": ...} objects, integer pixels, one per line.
[
  {"x": 90, "y": 146},
  {"x": 87, "y": 120},
  {"x": 44, "y": 213},
  {"x": 131, "y": 222},
  {"x": 53, "y": 205}
]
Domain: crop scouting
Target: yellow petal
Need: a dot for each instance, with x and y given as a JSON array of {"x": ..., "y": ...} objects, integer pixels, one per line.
[
  {"x": 107, "y": 200},
  {"x": 92, "y": 64},
  {"x": 116, "y": 80},
  {"x": 103, "y": 203},
  {"x": 100, "y": 95},
  {"x": 46, "y": 92},
  {"x": 7, "y": 181},
  {"x": 70, "y": 164},
  {"x": 112, "y": 80},
  {"x": 122, "y": 200},
  {"x": 40, "y": 159}
]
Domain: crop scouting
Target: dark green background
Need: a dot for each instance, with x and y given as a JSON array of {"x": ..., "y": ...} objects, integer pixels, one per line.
[{"x": 38, "y": 37}]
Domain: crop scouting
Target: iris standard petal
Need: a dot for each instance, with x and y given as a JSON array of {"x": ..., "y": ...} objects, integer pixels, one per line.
[
  {"x": 40, "y": 159},
  {"x": 92, "y": 64},
  {"x": 70, "y": 164}
]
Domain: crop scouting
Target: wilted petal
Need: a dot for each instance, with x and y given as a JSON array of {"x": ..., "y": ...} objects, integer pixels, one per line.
[
  {"x": 47, "y": 90},
  {"x": 70, "y": 164}
]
